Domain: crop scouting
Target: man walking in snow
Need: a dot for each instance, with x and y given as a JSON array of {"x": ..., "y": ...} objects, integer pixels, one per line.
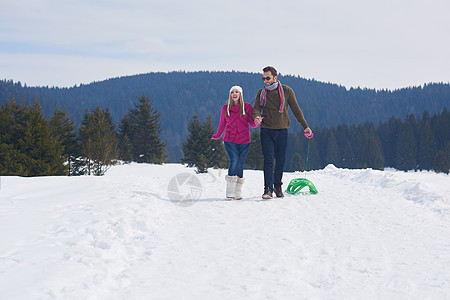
[{"x": 271, "y": 109}]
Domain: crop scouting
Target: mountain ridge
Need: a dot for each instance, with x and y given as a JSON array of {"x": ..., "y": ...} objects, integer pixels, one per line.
[{"x": 179, "y": 95}]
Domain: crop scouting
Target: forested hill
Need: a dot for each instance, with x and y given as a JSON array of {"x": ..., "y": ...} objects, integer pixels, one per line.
[{"x": 180, "y": 95}]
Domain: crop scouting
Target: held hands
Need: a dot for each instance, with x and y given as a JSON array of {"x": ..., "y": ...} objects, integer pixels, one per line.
[{"x": 258, "y": 120}]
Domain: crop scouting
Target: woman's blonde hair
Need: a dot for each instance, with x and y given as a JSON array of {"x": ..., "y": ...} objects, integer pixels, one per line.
[{"x": 231, "y": 102}]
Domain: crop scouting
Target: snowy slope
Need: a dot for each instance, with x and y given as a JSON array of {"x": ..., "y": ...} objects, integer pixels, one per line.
[{"x": 163, "y": 232}]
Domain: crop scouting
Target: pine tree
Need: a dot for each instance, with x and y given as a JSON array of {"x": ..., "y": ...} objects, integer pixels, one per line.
[
  {"x": 199, "y": 149},
  {"x": 297, "y": 162},
  {"x": 348, "y": 158},
  {"x": 98, "y": 141},
  {"x": 142, "y": 127},
  {"x": 312, "y": 152},
  {"x": 344, "y": 135},
  {"x": 126, "y": 149},
  {"x": 202, "y": 164},
  {"x": 441, "y": 128},
  {"x": 294, "y": 158},
  {"x": 255, "y": 158},
  {"x": 332, "y": 153},
  {"x": 62, "y": 128},
  {"x": 447, "y": 150},
  {"x": 125, "y": 145},
  {"x": 321, "y": 141},
  {"x": 406, "y": 147},
  {"x": 11, "y": 158},
  {"x": 214, "y": 150},
  {"x": 441, "y": 163},
  {"x": 373, "y": 157},
  {"x": 389, "y": 133},
  {"x": 27, "y": 146},
  {"x": 360, "y": 139},
  {"x": 12, "y": 161},
  {"x": 426, "y": 147},
  {"x": 192, "y": 145}
]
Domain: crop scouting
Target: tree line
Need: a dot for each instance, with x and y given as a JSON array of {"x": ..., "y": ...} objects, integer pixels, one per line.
[
  {"x": 416, "y": 143},
  {"x": 180, "y": 95},
  {"x": 421, "y": 143},
  {"x": 31, "y": 145}
]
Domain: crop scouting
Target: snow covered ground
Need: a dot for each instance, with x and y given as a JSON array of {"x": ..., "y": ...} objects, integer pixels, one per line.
[{"x": 164, "y": 232}]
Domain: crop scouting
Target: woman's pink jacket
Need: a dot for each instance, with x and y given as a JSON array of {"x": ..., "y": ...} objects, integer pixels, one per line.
[{"x": 235, "y": 126}]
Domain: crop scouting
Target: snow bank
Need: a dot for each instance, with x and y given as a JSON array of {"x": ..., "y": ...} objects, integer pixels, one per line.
[{"x": 164, "y": 232}]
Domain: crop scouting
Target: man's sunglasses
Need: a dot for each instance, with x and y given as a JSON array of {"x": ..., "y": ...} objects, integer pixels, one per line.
[{"x": 266, "y": 78}]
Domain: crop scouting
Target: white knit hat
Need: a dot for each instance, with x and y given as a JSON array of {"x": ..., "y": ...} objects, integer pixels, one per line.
[{"x": 236, "y": 87}]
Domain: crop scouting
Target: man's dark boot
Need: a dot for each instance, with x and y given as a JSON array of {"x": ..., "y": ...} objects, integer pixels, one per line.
[
  {"x": 279, "y": 192},
  {"x": 267, "y": 193}
]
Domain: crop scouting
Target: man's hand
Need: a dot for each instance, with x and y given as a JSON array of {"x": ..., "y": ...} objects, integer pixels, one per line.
[
  {"x": 308, "y": 131},
  {"x": 258, "y": 120}
]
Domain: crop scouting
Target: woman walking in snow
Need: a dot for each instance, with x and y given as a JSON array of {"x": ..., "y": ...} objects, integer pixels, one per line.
[{"x": 235, "y": 118}]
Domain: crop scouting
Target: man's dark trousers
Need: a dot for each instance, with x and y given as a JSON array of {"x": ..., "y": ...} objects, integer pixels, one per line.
[{"x": 273, "y": 145}]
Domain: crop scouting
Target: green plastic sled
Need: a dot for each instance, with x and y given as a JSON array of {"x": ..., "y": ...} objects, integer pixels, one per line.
[{"x": 298, "y": 183}]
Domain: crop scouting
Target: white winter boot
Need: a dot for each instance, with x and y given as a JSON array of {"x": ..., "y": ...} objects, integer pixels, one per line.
[
  {"x": 239, "y": 183},
  {"x": 231, "y": 186}
]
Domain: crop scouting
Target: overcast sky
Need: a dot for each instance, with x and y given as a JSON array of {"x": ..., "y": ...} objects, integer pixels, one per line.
[{"x": 374, "y": 44}]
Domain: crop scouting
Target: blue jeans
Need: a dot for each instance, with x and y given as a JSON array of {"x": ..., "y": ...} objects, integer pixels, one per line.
[
  {"x": 273, "y": 146},
  {"x": 237, "y": 154}
]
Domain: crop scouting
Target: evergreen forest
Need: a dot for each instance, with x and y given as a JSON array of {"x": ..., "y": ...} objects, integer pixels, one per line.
[
  {"x": 177, "y": 96},
  {"x": 170, "y": 117},
  {"x": 421, "y": 143}
]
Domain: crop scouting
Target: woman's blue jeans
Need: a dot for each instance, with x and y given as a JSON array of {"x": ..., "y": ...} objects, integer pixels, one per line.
[
  {"x": 273, "y": 145},
  {"x": 237, "y": 154}
]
